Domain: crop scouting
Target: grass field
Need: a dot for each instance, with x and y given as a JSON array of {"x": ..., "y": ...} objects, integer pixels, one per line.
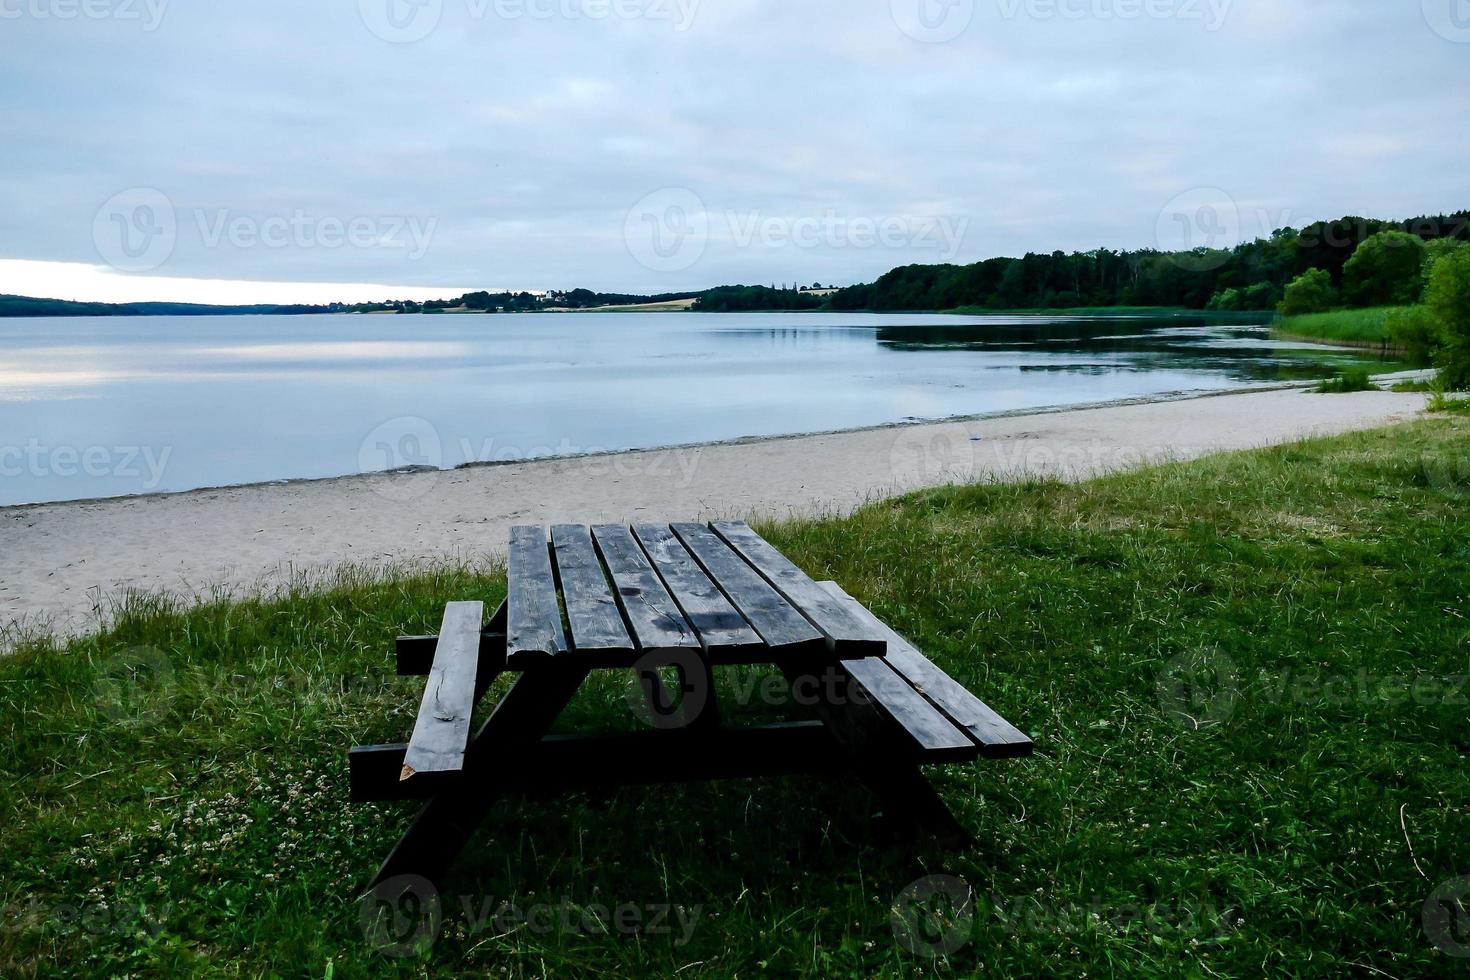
[
  {"x": 1369, "y": 326},
  {"x": 1246, "y": 677}
]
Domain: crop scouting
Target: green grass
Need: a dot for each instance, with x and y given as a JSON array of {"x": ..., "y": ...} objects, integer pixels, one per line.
[
  {"x": 1243, "y": 675},
  {"x": 1347, "y": 380},
  {"x": 1354, "y": 326}
]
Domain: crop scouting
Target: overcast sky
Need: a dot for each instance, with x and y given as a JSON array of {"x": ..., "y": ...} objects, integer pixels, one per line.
[{"x": 658, "y": 145}]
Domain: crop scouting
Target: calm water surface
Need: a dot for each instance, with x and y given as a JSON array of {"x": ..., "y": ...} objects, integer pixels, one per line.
[{"x": 94, "y": 407}]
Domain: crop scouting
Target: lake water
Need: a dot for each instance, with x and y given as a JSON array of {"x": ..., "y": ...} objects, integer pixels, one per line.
[{"x": 94, "y": 407}]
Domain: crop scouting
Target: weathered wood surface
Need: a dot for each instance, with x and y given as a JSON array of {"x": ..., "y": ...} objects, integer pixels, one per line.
[
  {"x": 657, "y": 622},
  {"x": 414, "y": 655},
  {"x": 533, "y": 614},
  {"x": 998, "y": 738},
  {"x": 847, "y": 635},
  {"x": 593, "y": 616},
  {"x": 783, "y": 628},
  {"x": 721, "y": 630},
  {"x": 442, "y": 731}
]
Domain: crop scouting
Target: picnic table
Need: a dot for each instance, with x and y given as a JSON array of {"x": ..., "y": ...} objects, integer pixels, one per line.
[{"x": 690, "y": 597}]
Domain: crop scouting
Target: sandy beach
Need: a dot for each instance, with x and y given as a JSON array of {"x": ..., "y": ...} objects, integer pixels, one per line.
[{"x": 64, "y": 562}]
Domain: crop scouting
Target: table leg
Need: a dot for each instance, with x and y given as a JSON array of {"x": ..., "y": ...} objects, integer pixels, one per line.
[
  {"x": 446, "y": 824},
  {"x": 910, "y": 802}
]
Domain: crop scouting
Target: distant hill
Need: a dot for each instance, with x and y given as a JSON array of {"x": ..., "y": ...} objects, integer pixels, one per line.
[{"x": 31, "y": 306}]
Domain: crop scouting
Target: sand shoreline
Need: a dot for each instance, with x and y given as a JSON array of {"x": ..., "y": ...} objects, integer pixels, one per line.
[{"x": 66, "y": 561}]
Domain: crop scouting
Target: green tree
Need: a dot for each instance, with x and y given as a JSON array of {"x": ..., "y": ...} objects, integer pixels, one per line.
[
  {"x": 1433, "y": 252},
  {"x": 1310, "y": 292},
  {"x": 1261, "y": 296},
  {"x": 1384, "y": 270},
  {"x": 1448, "y": 299}
]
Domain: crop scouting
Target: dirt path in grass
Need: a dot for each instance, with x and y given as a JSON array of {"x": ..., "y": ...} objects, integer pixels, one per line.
[{"x": 58, "y": 560}]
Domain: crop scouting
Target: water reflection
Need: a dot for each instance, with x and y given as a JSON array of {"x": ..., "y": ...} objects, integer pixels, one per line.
[{"x": 243, "y": 399}]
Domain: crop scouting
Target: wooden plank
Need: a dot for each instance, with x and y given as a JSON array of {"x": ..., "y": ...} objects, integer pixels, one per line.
[
  {"x": 657, "y": 621},
  {"x": 776, "y": 620},
  {"x": 533, "y": 615},
  {"x": 592, "y": 612},
  {"x": 442, "y": 731},
  {"x": 414, "y": 655},
  {"x": 848, "y": 636},
  {"x": 998, "y": 738},
  {"x": 719, "y": 627},
  {"x": 442, "y": 829},
  {"x": 935, "y": 735}
]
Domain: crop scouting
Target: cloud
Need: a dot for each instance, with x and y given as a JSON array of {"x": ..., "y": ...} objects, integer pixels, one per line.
[{"x": 524, "y": 132}]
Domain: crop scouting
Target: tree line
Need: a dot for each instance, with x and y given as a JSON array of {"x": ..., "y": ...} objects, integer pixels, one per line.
[{"x": 1251, "y": 276}]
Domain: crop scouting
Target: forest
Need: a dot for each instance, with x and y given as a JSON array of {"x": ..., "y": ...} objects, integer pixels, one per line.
[{"x": 1251, "y": 276}]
